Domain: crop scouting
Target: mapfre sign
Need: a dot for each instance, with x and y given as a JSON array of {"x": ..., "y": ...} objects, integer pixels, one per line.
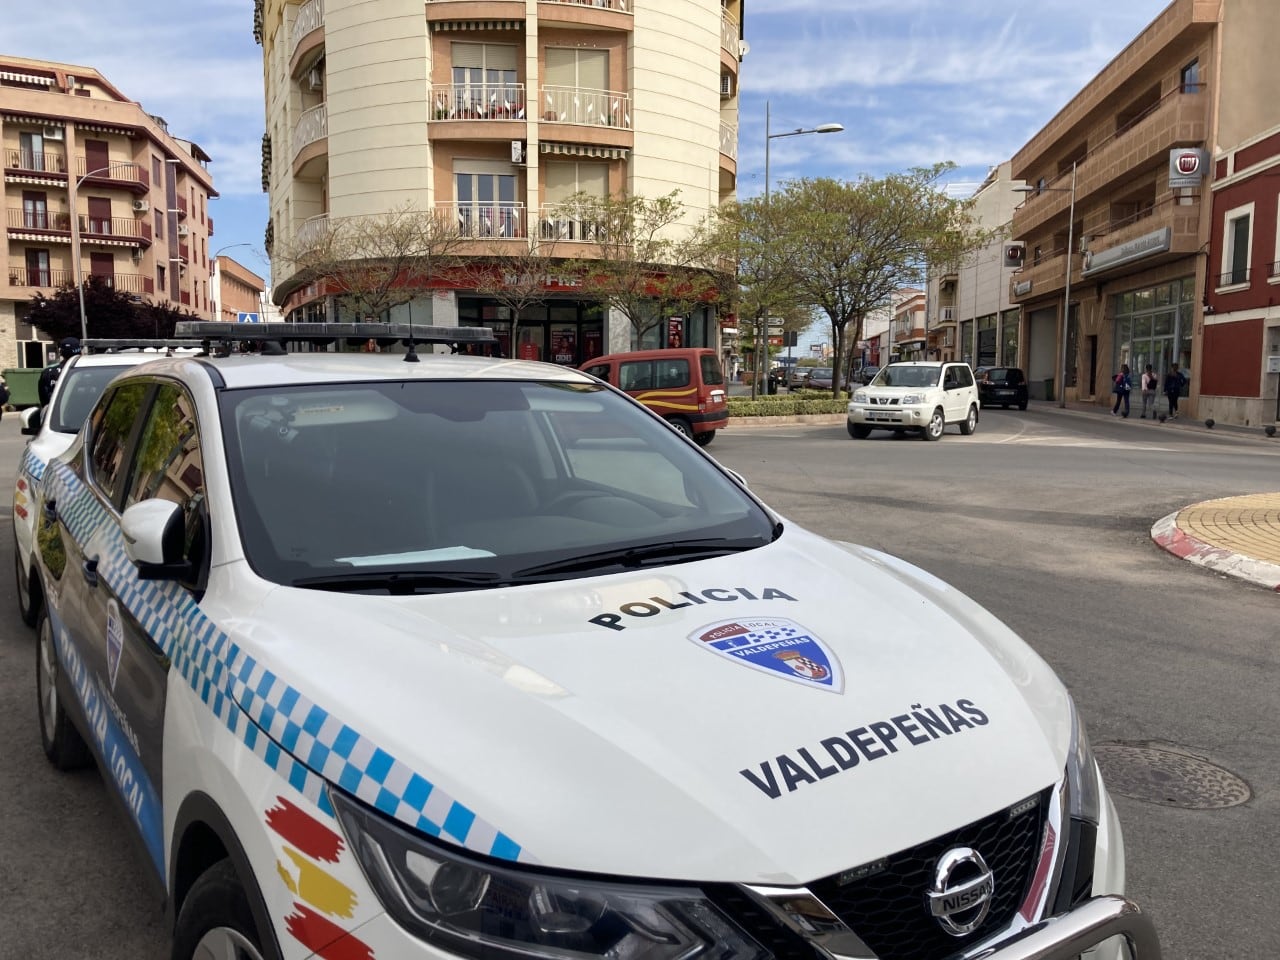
[{"x": 1187, "y": 166}]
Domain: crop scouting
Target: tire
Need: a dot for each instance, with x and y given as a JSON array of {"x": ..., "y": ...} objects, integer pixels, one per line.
[
  {"x": 215, "y": 918},
  {"x": 970, "y": 423},
  {"x": 936, "y": 427},
  {"x": 1022, "y": 405},
  {"x": 703, "y": 438},
  {"x": 28, "y": 608},
  {"x": 859, "y": 431},
  {"x": 681, "y": 426},
  {"x": 62, "y": 743}
]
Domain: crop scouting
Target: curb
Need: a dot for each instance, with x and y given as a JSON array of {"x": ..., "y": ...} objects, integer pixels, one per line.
[
  {"x": 793, "y": 419},
  {"x": 1167, "y": 535}
]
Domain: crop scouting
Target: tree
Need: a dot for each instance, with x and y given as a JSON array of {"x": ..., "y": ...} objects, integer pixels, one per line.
[
  {"x": 850, "y": 245},
  {"x": 642, "y": 263},
  {"x": 373, "y": 263},
  {"x": 517, "y": 279},
  {"x": 109, "y": 313}
]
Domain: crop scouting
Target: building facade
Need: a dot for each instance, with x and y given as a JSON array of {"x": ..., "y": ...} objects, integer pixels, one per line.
[
  {"x": 94, "y": 186},
  {"x": 236, "y": 291},
  {"x": 491, "y": 112},
  {"x": 1123, "y": 201}
]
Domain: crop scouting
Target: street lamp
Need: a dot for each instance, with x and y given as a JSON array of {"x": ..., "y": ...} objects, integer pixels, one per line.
[
  {"x": 762, "y": 328},
  {"x": 75, "y": 237},
  {"x": 1066, "y": 296}
]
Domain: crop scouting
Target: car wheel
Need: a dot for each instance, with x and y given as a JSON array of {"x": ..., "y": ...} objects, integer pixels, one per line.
[
  {"x": 28, "y": 609},
  {"x": 937, "y": 424},
  {"x": 681, "y": 426},
  {"x": 703, "y": 438},
  {"x": 970, "y": 423},
  {"x": 1022, "y": 405},
  {"x": 215, "y": 921},
  {"x": 62, "y": 742},
  {"x": 1004, "y": 406},
  {"x": 859, "y": 431}
]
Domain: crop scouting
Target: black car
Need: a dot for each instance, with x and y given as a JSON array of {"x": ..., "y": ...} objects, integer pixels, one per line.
[{"x": 1002, "y": 387}]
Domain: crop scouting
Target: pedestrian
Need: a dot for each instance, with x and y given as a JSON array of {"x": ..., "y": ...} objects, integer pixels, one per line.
[
  {"x": 4, "y": 393},
  {"x": 1121, "y": 387},
  {"x": 67, "y": 349},
  {"x": 1174, "y": 381},
  {"x": 1150, "y": 386}
]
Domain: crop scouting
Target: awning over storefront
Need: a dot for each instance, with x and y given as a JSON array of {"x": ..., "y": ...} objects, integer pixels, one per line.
[
  {"x": 583, "y": 150},
  {"x": 456, "y": 25},
  {"x": 25, "y": 78}
]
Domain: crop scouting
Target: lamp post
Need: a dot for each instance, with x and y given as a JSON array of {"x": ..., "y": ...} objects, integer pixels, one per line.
[
  {"x": 1061, "y": 373},
  {"x": 763, "y": 321},
  {"x": 75, "y": 237}
]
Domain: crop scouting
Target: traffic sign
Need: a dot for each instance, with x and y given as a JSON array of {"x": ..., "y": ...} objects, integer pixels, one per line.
[{"x": 247, "y": 318}]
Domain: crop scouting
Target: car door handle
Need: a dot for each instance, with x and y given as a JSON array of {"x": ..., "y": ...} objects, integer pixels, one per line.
[{"x": 90, "y": 570}]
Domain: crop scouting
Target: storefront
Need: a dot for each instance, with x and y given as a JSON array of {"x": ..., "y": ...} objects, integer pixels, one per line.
[
  {"x": 1154, "y": 326},
  {"x": 567, "y": 332}
]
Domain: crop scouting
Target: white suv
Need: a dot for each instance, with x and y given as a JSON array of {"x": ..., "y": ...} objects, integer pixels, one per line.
[{"x": 922, "y": 396}]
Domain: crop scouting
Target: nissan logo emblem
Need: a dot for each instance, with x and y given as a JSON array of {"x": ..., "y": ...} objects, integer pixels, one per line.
[{"x": 959, "y": 897}]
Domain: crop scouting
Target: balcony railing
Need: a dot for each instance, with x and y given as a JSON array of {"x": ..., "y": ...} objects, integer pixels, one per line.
[
  {"x": 1274, "y": 269},
  {"x": 730, "y": 32},
  {"x": 34, "y": 161},
  {"x": 310, "y": 17},
  {"x": 582, "y": 105},
  {"x": 182, "y": 208},
  {"x": 622, "y": 6},
  {"x": 477, "y": 101},
  {"x": 313, "y": 125},
  {"x": 47, "y": 277},
  {"x": 118, "y": 170},
  {"x": 554, "y": 224},
  {"x": 128, "y": 282},
  {"x": 115, "y": 227},
  {"x": 487, "y": 221},
  {"x": 312, "y": 230},
  {"x": 1233, "y": 278},
  {"x": 184, "y": 252},
  {"x": 22, "y": 219},
  {"x": 729, "y": 140}
]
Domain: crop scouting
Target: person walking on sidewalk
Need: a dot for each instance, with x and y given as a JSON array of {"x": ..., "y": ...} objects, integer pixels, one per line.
[
  {"x": 1121, "y": 387},
  {"x": 1174, "y": 381},
  {"x": 1150, "y": 386}
]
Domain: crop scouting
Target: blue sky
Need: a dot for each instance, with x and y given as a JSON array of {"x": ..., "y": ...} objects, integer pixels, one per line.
[{"x": 913, "y": 81}]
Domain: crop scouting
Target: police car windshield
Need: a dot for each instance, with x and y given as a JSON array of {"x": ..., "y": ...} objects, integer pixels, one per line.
[
  {"x": 467, "y": 484},
  {"x": 78, "y": 390},
  {"x": 906, "y": 376}
]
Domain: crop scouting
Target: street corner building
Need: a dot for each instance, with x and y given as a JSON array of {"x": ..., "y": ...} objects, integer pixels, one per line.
[
  {"x": 1152, "y": 210},
  {"x": 94, "y": 186},
  {"x": 492, "y": 114}
]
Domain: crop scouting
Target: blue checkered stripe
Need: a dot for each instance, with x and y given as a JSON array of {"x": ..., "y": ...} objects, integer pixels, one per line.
[
  {"x": 31, "y": 465},
  {"x": 303, "y": 743}
]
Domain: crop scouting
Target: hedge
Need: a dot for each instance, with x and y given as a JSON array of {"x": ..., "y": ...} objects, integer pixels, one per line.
[{"x": 779, "y": 405}]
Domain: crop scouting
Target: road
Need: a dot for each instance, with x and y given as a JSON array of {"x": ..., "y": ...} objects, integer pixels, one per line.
[{"x": 1043, "y": 517}]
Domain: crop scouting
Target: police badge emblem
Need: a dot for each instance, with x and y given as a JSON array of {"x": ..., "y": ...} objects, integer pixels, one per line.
[{"x": 774, "y": 645}]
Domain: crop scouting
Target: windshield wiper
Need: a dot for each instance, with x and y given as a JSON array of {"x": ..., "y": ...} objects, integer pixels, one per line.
[
  {"x": 402, "y": 583},
  {"x": 645, "y": 554}
]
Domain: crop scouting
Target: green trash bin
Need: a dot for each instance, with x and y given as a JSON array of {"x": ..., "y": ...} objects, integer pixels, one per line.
[
  {"x": 24, "y": 385},
  {"x": 1048, "y": 388}
]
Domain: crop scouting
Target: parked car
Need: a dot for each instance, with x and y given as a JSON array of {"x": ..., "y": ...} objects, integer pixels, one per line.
[
  {"x": 918, "y": 396},
  {"x": 685, "y": 386},
  {"x": 865, "y": 375},
  {"x": 818, "y": 378},
  {"x": 796, "y": 376},
  {"x": 473, "y": 659},
  {"x": 1003, "y": 387}
]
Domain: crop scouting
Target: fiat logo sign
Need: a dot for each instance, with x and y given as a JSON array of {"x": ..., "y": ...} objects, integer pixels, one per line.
[{"x": 1188, "y": 164}]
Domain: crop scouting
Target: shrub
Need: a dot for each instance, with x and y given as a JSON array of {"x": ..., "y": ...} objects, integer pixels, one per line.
[{"x": 809, "y": 401}]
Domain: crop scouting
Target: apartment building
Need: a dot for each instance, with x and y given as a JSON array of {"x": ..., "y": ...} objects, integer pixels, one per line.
[
  {"x": 94, "y": 186},
  {"x": 490, "y": 112},
  {"x": 1122, "y": 196},
  {"x": 909, "y": 332},
  {"x": 236, "y": 291}
]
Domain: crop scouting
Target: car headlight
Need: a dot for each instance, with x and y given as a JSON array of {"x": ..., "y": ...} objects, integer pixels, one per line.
[
  {"x": 1082, "y": 773},
  {"x": 480, "y": 908},
  {"x": 859, "y": 396},
  {"x": 911, "y": 398}
]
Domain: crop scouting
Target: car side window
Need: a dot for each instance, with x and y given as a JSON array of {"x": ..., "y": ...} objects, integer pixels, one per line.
[
  {"x": 950, "y": 379},
  {"x": 965, "y": 375},
  {"x": 113, "y": 426},
  {"x": 600, "y": 370},
  {"x": 637, "y": 375},
  {"x": 712, "y": 375},
  {"x": 168, "y": 465},
  {"x": 672, "y": 373}
]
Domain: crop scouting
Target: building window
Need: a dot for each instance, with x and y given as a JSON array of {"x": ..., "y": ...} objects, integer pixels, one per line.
[
  {"x": 486, "y": 199},
  {"x": 160, "y": 280},
  {"x": 35, "y": 210},
  {"x": 1237, "y": 244},
  {"x": 561, "y": 181},
  {"x": 158, "y": 218},
  {"x": 1191, "y": 77},
  {"x": 38, "y": 268},
  {"x": 484, "y": 78},
  {"x": 577, "y": 81}
]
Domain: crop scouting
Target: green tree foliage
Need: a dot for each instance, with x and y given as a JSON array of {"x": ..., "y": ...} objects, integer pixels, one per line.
[{"x": 108, "y": 312}]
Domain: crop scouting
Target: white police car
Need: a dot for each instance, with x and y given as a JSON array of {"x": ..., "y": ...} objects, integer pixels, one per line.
[
  {"x": 51, "y": 429},
  {"x": 477, "y": 658}
]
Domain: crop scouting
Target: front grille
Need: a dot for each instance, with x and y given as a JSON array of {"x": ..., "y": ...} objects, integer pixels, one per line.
[{"x": 888, "y": 909}]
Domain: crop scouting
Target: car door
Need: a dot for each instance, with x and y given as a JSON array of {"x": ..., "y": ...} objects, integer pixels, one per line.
[
  {"x": 952, "y": 395},
  {"x": 125, "y": 615}
]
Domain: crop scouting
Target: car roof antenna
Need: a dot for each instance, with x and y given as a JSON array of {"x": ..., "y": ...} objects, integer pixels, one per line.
[{"x": 411, "y": 355}]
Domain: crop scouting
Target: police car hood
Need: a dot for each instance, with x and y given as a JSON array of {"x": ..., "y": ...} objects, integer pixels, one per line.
[{"x": 678, "y": 724}]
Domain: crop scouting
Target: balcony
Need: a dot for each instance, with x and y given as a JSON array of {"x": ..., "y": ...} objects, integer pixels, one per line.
[
  {"x": 307, "y": 33},
  {"x": 729, "y": 141},
  {"x": 1040, "y": 279},
  {"x": 554, "y": 224},
  {"x": 28, "y": 161},
  {"x": 49, "y": 278},
  {"x": 487, "y": 102},
  {"x": 42, "y": 221},
  {"x": 312, "y": 230},
  {"x": 730, "y": 39},
  {"x": 100, "y": 229},
  {"x": 211, "y": 226},
  {"x": 129, "y": 282},
  {"x": 486, "y": 221},
  {"x": 182, "y": 208},
  {"x": 577, "y": 114},
  {"x": 119, "y": 173},
  {"x": 184, "y": 252},
  {"x": 311, "y": 128},
  {"x": 1167, "y": 231},
  {"x": 1178, "y": 119},
  {"x": 592, "y": 14}
]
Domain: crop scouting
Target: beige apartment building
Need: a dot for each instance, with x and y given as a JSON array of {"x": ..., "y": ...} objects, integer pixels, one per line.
[
  {"x": 491, "y": 112},
  {"x": 236, "y": 291},
  {"x": 1120, "y": 197},
  {"x": 94, "y": 186}
]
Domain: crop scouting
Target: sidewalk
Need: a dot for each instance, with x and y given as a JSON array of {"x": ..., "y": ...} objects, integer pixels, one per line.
[{"x": 1236, "y": 536}]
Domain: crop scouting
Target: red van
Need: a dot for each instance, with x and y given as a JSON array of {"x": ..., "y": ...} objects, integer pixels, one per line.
[{"x": 684, "y": 386}]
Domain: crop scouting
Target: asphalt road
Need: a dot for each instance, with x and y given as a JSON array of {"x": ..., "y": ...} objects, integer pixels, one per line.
[{"x": 1043, "y": 516}]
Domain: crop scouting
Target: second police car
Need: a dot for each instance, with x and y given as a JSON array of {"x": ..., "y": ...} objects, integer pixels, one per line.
[{"x": 478, "y": 658}]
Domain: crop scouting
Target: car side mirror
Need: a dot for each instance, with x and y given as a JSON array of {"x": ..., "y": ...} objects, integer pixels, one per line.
[
  {"x": 154, "y": 534},
  {"x": 31, "y": 419}
]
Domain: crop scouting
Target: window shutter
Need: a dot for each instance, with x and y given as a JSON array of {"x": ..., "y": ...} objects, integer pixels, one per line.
[
  {"x": 560, "y": 67},
  {"x": 560, "y": 181}
]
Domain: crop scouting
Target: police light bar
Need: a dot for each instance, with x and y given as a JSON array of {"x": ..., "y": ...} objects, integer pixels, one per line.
[
  {"x": 225, "y": 330},
  {"x": 113, "y": 344}
]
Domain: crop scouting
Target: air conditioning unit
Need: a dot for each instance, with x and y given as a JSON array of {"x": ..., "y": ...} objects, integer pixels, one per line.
[
  {"x": 183, "y": 230},
  {"x": 53, "y": 133},
  {"x": 141, "y": 206},
  {"x": 315, "y": 80},
  {"x": 726, "y": 85}
]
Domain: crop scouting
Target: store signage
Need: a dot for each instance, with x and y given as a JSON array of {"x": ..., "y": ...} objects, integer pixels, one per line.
[
  {"x": 1187, "y": 166},
  {"x": 1158, "y": 241},
  {"x": 1022, "y": 288}
]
